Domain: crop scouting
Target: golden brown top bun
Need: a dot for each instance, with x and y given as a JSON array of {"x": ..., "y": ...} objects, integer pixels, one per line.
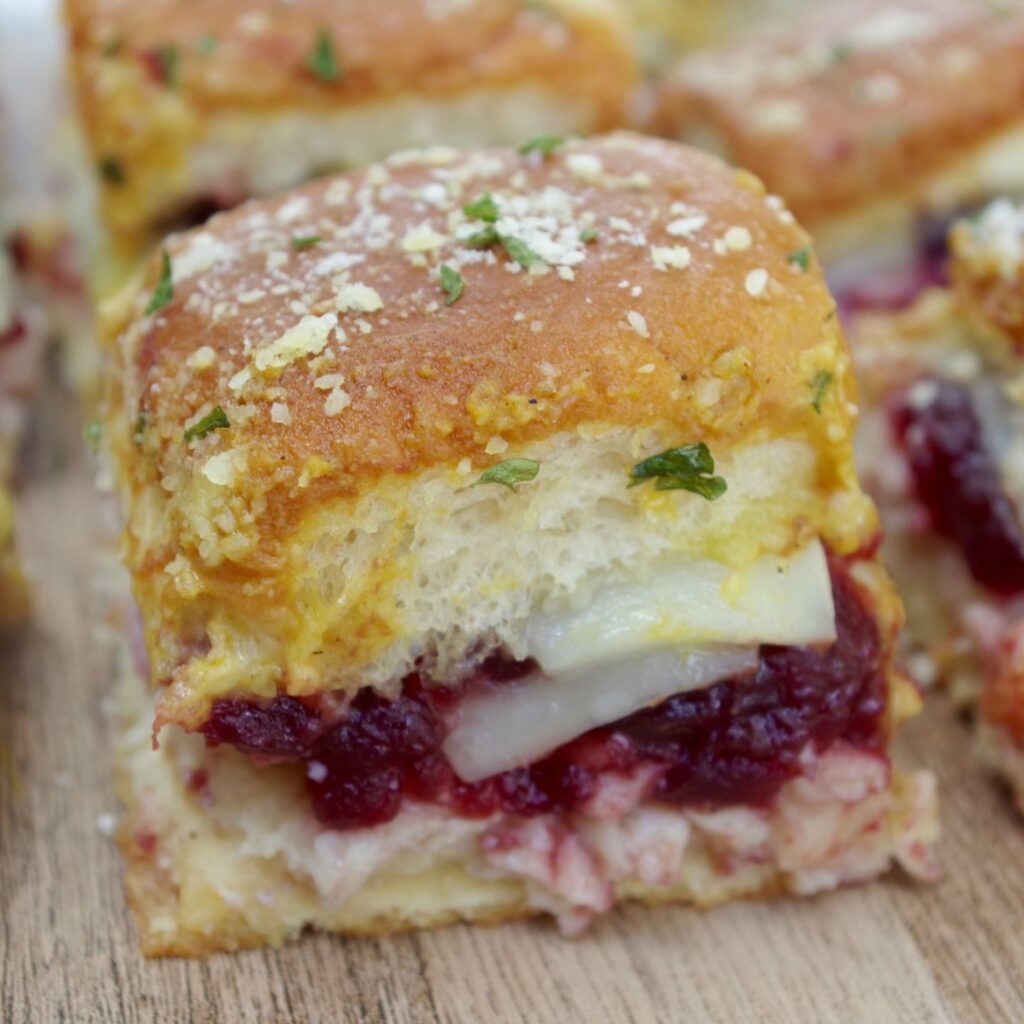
[
  {"x": 651, "y": 265},
  {"x": 855, "y": 99},
  {"x": 335, "y": 367},
  {"x": 312, "y": 52}
]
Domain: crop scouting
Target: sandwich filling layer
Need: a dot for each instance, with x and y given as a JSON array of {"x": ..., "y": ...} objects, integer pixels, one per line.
[{"x": 734, "y": 739}]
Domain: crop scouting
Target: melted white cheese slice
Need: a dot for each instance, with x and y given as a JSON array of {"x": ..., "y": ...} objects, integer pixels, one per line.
[
  {"x": 521, "y": 722},
  {"x": 691, "y": 603},
  {"x": 687, "y": 625}
]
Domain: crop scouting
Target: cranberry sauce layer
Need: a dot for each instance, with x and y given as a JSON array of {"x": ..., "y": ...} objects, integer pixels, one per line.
[
  {"x": 735, "y": 742},
  {"x": 957, "y": 479}
]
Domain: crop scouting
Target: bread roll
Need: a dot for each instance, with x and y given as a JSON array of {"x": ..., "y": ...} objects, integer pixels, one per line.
[{"x": 877, "y": 122}]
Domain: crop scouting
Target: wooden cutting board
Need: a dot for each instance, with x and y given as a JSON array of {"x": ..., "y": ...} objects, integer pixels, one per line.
[{"x": 885, "y": 954}]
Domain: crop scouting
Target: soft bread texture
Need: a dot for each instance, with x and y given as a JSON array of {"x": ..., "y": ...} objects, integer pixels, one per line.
[
  {"x": 241, "y": 109},
  {"x": 332, "y": 534},
  {"x": 436, "y": 571},
  {"x": 860, "y": 112},
  {"x": 223, "y": 854}
]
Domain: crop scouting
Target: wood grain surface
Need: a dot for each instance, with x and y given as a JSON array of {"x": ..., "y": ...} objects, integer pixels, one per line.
[{"x": 885, "y": 954}]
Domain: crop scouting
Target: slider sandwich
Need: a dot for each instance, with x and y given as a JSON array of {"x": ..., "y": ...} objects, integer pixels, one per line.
[
  {"x": 942, "y": 450},
  {"x": 877, "y": 121},
  {"x": 191, "y": 106},
  {"x": 494, "y": 528}
]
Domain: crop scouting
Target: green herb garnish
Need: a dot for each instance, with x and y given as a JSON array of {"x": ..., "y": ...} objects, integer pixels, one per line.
[
  {"x": 516, "y": 248},
  {"x": 484, "y": 239},
  {"x": 207, "y": 43},
  {"x": 589, "y": 235},
  {"x": 216, "y": 420},
  {"x": 509, "y": 473},
  {"x": 519, "y": 251},
  {"x": 169, "y": 60},
  {"x": 543, "y": 144},
  {"x": 164, "y": 290},
  {"x": 322, "y": 61},
  {"x": 306, "y": 241},
  {"x": 801, "y": 258},
  {"x": 139, "y": 431},
  {"x": 486, "y": 209},
  {"x": 483, "y": 208},
  {"x": 111, "y": 170},
  {"x": 452, "y": 283},
  {"x": 822, "y": 379},
  {"x": 686, "y": 468}
]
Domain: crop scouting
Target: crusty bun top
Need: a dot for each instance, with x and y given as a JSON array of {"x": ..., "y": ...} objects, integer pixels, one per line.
[
  {"x": 443, "y": 312},
  {"x": 332, "y": 51},
  {"x": 661, "y": 286},
  {"x": 855, "y": 98}
]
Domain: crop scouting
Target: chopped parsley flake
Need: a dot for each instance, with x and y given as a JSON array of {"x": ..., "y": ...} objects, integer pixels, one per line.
[
  {"x": 452, "y": 283},
  {"x": 483, "y": 208},
  {"x": 111, "y": 170},
  {"x": 164, "y": 290},
  {"x": 306, "y": 241},
  {"x": 322, "y": 61},
  {"x": 820, "y": 384},
  {"x": 801, "y": 258},
  {"x": 589, "y": 235},
  {"x": 207, "y": 43},
  {"x": 139, "y": 431},
  {"x": 484, "y": 239},
  {"x": 168, "y": 59},
  {"x": 543, "y": 144},
  {"x": 216, "y": 420},
  {"x": 519, "y": 251},
  {"x": 686, "y": 468},
  {"x": 509, "y": 473}
]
